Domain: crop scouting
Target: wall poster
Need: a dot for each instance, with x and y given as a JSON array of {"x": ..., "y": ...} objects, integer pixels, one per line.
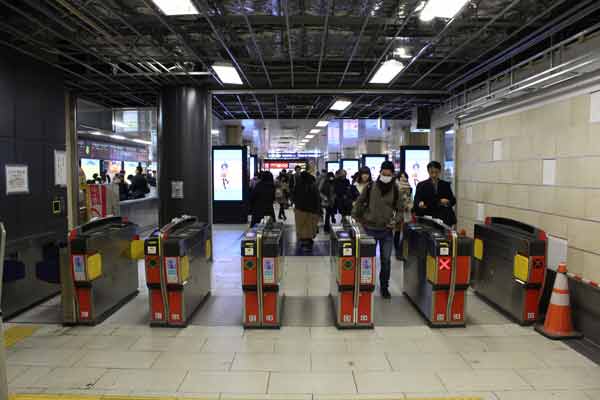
[{"x": 17, "y": 179}]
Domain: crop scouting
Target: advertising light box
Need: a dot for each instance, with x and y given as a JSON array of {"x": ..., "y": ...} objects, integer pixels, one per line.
[
  {"x": 415, "y": 164},
  {"x": 333, "y": 166},
  {"x": 374, "y": 164},
  {"x": 227, "y": 175},
  {"x": 351, "y": 167},
  {"x": 90, "y": 167},
  {"x": 130, "y": 168},
  {"x": 350, "y": 129}
]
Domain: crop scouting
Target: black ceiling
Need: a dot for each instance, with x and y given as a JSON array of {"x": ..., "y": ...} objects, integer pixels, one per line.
[{"x": 121, "y": 52}]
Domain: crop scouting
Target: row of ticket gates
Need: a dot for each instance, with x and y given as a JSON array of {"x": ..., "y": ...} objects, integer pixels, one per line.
[{"x": 505, "y": 264}]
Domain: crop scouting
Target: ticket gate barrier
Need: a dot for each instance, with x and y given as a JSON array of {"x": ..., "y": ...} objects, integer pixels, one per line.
[
  {"x": 352, "y": 284},
  {"x": 178, "y": 263},
  {"x": 3, "y": 371},
  {"x": 509, "y": 267},
  {"x": 262, "y": 270},
  {"x": 437, "y": 271},
  {"x": 104, "y": 273}
]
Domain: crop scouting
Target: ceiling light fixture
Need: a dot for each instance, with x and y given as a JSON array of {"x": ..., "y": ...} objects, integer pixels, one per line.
[
  {"x": 315, "y": 131},
  {"x": 322, "y": 124},
  {"x": 214, "y": 131},
  {"x": 118, "y": 137},
  {"x": 305, "y": 141},
  {"x": 96, "y": 133},
  {"x": 176, "y": 7},
  {"x": 387, "y": 71},
  {"x": 340, "y": 105},
  {"x": 441, "y": 9},
  {"x": 402, "y": 52},
  {"x": 309, "y": 136},
  {"x": 227, "y": 73}
]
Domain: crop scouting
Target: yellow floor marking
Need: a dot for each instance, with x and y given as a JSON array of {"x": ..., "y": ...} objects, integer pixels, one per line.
[
  {"x": 115, "y": 397},
  {"x": 16, "y": 334}
]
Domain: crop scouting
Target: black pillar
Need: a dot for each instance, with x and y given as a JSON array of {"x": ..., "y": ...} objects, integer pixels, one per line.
[{"x": 184, "y": 147}]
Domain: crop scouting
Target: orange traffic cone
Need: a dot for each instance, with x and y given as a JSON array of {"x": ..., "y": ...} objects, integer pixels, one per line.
[{"x": 559, "y": 324}]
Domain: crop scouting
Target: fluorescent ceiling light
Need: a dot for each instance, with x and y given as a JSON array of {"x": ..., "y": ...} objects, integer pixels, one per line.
[
  {"x": 305, "y": 140},
  {"x": 142, "y": 141},
  {"x": 309, "y": 136},
  {"x": 96, "y": 133},
  {"x": 118, "y": 137},
  {"x": 214, "y": 131},
  {"x": 322, "y": 124},
  {"x": 402, "y": 52},
  {"x": 227, "y": 74},
  {"x": 441, "y": 9},
  {"x": 176, "y": 7},
  {"x": 315, "y": 131},
  {"x": 387, "y": 71},
  {"x": 340, "y": 105}
]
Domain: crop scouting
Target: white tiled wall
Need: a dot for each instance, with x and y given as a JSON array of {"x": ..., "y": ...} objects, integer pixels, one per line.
[{"x": 514, "y": 186}]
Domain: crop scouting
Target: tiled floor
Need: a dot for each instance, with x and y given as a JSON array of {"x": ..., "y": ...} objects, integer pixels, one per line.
[{"x": 491, "y": 358}]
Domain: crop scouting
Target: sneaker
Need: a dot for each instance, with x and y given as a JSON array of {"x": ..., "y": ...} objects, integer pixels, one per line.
[{"x": 385, "y": 293}]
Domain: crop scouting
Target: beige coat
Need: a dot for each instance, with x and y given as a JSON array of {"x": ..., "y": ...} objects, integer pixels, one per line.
[{"x": 306, "y": 224}]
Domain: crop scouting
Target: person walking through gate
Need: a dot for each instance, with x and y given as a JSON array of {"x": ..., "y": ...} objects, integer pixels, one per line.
[
  {"x": 406, "y": 190},
  {"x": 282, "y": 192},
  {"x": 307, "y": 209},
  {"x": 434, "y": 196},
  {"x": 327, "y": 192},
  {"x": 262, "y": 198},
  {"x": 379, "y": 208}
]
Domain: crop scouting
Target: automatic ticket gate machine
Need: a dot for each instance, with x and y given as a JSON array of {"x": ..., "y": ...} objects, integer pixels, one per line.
[
  {"x": 510, "y": 267},
  {"x": 437, "y": 271},
  {"x": 104, "y": 272},
  {"x": 262, "y": 270},
  {"x": 352, "y": 284},
  {"x": 178, "y": 263}
]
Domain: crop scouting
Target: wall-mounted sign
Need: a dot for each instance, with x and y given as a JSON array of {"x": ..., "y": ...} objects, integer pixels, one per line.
[
  {"x": 60, "y": 168},
  {"x": 17, "y": 179}
]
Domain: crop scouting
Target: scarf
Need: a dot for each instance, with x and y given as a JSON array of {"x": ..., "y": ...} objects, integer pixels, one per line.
[{"x": 384, "y": 188}]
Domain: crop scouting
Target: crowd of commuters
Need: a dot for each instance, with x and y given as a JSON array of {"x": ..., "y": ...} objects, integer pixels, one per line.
[
  {"x": 380, "y": 204},
  {"x": 134, "y": 187}
]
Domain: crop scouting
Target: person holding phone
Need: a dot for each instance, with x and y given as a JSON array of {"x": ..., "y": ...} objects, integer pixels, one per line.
[{"x": 434, "y": 196}]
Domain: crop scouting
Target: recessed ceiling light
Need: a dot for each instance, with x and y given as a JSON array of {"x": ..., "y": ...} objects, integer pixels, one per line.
[
  {"x": 441, "y": 9},
  {"x": 96, "y": 133},
  {"x": 227, "y": 73},
  {"x": 214, "y": 131},
  {"x": 322, "y": 124},
  {"x": 118, "y": 137},
  {"x": 387, "y": 71},
  {"x": 305, "y": 141},
  {"x": 315, "y": 130},
  {"x": 340, "y": 105},
  {"x": 402, "y": 52},
  {"x": 309, "y": 136},
  {"x": 176, "y": 7}
]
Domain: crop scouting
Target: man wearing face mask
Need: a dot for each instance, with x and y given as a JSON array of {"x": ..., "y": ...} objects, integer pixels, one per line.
[{"x": 379, "y": 209}]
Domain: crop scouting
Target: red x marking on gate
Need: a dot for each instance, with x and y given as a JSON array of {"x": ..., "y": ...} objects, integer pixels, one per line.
[{"x": 444, "y": 264}]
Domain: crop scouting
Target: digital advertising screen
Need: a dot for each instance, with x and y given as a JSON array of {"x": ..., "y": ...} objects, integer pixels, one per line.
[
  {"x": 90, "y": 167},
  {"x": 252, "y": 166},
  {"x": 415, "y": 165},
  {"x": 228, "y": 175},
  {"x": 333, "y": 134},
  {"x": 113, "y": 167},
  {"x": 130, "y": 168},
  {"x": 350, "y": 129},
  {"x": 351, "y": 167},
  {"x": 333, "y": 166},
  {"x": 374, "y": 164}
]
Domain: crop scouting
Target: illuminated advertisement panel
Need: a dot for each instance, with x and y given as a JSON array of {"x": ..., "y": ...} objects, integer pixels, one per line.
[
  {"x": 374, "y": 164},
  {"x": 333, "y": 166},
  {"x": 351, "y": 167},
  {"x": 90, "y": 167},
  {"x": 227, "y": 175},
  {"x": 415, "y": 165},
  {"x": 350, "y": 129}
]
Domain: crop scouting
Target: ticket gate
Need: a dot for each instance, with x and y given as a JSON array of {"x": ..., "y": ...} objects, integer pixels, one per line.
[
  {"x": 31, "y": 271},
  {"x": 104, "y": 273},
  {"x": 509, "y": 267},
  {"x": 262, "y": 270},
  {"x": 352, "y": 283},
  {"x": 178, "y": 263},
  {"x": 437, "y": 271},
  {"x": 3, "y": 371}
]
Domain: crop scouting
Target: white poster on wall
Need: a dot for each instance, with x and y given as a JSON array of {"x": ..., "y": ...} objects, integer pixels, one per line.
[
  {"x": 60, "y": 168},
  {"x": 17, "y": 179}
]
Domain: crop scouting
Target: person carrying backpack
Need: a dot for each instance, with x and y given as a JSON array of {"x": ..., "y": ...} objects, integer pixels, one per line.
[{"x": 379, "y": 208}]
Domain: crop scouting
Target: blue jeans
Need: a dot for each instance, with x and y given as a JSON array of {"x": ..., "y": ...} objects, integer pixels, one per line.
[{"x": 385, "y": 240}]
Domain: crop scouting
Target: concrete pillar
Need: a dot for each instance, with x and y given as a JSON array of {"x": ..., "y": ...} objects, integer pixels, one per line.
[{"x": 185, "y": 152}]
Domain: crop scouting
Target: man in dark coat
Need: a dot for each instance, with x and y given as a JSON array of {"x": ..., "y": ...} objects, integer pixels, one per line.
[
  {"x": 434, "y": 196},
  {"x": 262, "y": 198}
]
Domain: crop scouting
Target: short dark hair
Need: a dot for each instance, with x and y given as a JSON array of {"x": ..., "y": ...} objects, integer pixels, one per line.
[{"x": 434, "y": 164}]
